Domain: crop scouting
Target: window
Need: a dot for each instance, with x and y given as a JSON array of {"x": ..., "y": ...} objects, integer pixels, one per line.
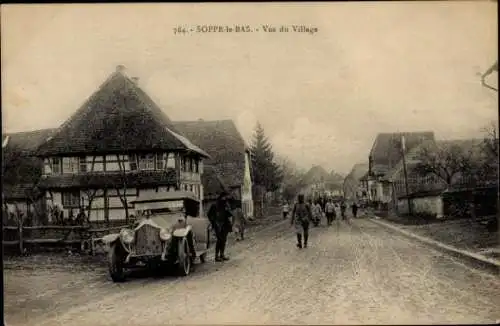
[
  {"x": 191, "y": 165},
  {"x": 147, "y": 162},
  {"x": 70, "y": 164},
  {"x": 56, "y": 165},
  {"x": 183, "y": 165},
  {"x": 83, "y": 164},
  {"x": 160, "y": 162},
  {"x": 171, "y": 160},
  {"x": 133, "y": 162},
  {"x": 71, "y": 199},
  {"x": 196, "y": 166}
]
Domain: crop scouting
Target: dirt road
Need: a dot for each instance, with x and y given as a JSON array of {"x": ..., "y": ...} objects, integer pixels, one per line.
[{"x": 351, "y": 275}]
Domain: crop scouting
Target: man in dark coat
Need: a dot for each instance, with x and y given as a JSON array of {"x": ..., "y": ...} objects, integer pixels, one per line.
[
  {"x": 220, "y": 217},
  {"x": 301, "y": 215},
  {"x": 354, "y": 208}
]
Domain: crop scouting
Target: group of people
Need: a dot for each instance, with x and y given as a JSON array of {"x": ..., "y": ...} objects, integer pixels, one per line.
[{"x": 305, "y": 212}]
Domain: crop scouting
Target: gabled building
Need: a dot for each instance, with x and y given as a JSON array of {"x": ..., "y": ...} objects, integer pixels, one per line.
[
  {"x": 386, "y": 153},
  {"x": 353, "y": 188},
  {"x": 229, "y": 156},
  {"x": 118, "y": 144},
  {"x": 21, "y": 172}
]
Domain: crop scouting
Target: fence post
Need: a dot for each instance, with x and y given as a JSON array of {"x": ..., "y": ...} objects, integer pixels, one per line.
[
  {"x": 92, "y": 246},
  {"x": 20, "y": 225}
]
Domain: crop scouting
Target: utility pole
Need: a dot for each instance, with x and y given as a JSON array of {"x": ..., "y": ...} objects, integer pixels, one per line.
[{"x": 403, "y": 149}]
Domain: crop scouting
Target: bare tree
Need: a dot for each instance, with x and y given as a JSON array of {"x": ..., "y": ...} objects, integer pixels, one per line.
[
  {"x": 123, "y": 186},
  {"x": 490, "y": 142},
  {"x": 292, "y": 181},
  {"x": 444, "y": 161},
  {"x": 454, "y": 165}
]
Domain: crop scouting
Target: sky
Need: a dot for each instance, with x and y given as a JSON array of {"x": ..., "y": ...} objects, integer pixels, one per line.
[{"x": 321, "y": 97}]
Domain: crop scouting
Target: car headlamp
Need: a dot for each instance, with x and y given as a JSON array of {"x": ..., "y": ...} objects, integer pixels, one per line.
[
  {"x": 127, "y": 236},
  {"x": 165, "y": 234}
]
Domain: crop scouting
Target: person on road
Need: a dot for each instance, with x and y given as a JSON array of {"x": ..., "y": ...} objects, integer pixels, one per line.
[
  {"x": 286, "y": 209},
  {"x": 220, "y": 217},
  {"x": 354, "y": 208},
  {"x": 239, "y": 220},
  {"x": 301, "y": 215},
  {"x": 317, "y": 213},
  {"x": 330, "y": 212},
  {"x": 343, "y": 207}
]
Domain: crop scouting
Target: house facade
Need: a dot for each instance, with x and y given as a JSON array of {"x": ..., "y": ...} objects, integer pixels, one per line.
[
  {"x": 119, "y": 144},
  {"x": 229, "y": 157},
  {"x": 386, "y": 155}
]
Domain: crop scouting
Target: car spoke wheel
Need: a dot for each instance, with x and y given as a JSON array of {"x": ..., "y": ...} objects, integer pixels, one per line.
[{"x": 184, "y": 258}]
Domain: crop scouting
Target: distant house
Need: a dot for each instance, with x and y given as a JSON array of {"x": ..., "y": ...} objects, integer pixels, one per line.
[
  {"x": 229, "y": 156},
  {"x": 386, "y": 153},
  {"x": 353, "y": 187},
  {"x": 21, "y": 172},
  {"x": 118, "y": 144},
  {"x": 316, "y": 179}
]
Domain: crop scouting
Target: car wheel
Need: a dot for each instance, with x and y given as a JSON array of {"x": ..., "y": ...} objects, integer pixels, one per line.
[
  {"x": 115, "y": 261},
  {"x": 184, "y": 266}
]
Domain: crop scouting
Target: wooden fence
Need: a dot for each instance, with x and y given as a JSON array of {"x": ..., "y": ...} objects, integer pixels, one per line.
[{"x": 86, "y": 238}]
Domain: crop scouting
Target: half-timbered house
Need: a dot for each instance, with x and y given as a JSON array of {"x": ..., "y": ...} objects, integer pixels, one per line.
[{"x": 118, "y": 144}]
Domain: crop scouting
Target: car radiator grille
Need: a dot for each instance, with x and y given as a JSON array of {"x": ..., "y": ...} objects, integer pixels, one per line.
[{"x": 147, "y": 241}]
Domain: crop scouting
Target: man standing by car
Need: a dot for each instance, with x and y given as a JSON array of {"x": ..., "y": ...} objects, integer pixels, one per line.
[{"x": 220, "y": 217}]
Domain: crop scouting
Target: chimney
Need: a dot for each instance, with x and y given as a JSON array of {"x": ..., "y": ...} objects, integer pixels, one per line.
[
  {"x": 135, "y": 80},
  {"x": 120, "y": 68}
]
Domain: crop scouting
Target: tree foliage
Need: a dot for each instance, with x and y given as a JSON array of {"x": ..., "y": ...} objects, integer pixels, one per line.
[
  {"x": 266, "y": 172},
  {"x": 490, "y": 142}
]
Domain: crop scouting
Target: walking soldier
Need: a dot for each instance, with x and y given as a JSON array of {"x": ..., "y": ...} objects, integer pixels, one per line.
[{"x": 301, "y": 215}]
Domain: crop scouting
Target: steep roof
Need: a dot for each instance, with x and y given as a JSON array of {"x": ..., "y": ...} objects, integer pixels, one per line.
[
  {"x": 315, "y": 175},
  {"x": 353, "y": 179},
  {"x": 358, "y": 171},
  {"x": 386, "y": 151},
  {"x": 223, "y": 142},
  {"x": 21, "y": 170},
  {"x": 118, "y": 117}
]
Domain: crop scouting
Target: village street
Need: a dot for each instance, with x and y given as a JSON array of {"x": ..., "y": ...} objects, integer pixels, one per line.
[{"x": 350, "y": 275}]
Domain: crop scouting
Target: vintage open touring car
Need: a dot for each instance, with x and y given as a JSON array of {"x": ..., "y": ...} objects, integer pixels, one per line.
[{"x": 168, "y": 235}]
